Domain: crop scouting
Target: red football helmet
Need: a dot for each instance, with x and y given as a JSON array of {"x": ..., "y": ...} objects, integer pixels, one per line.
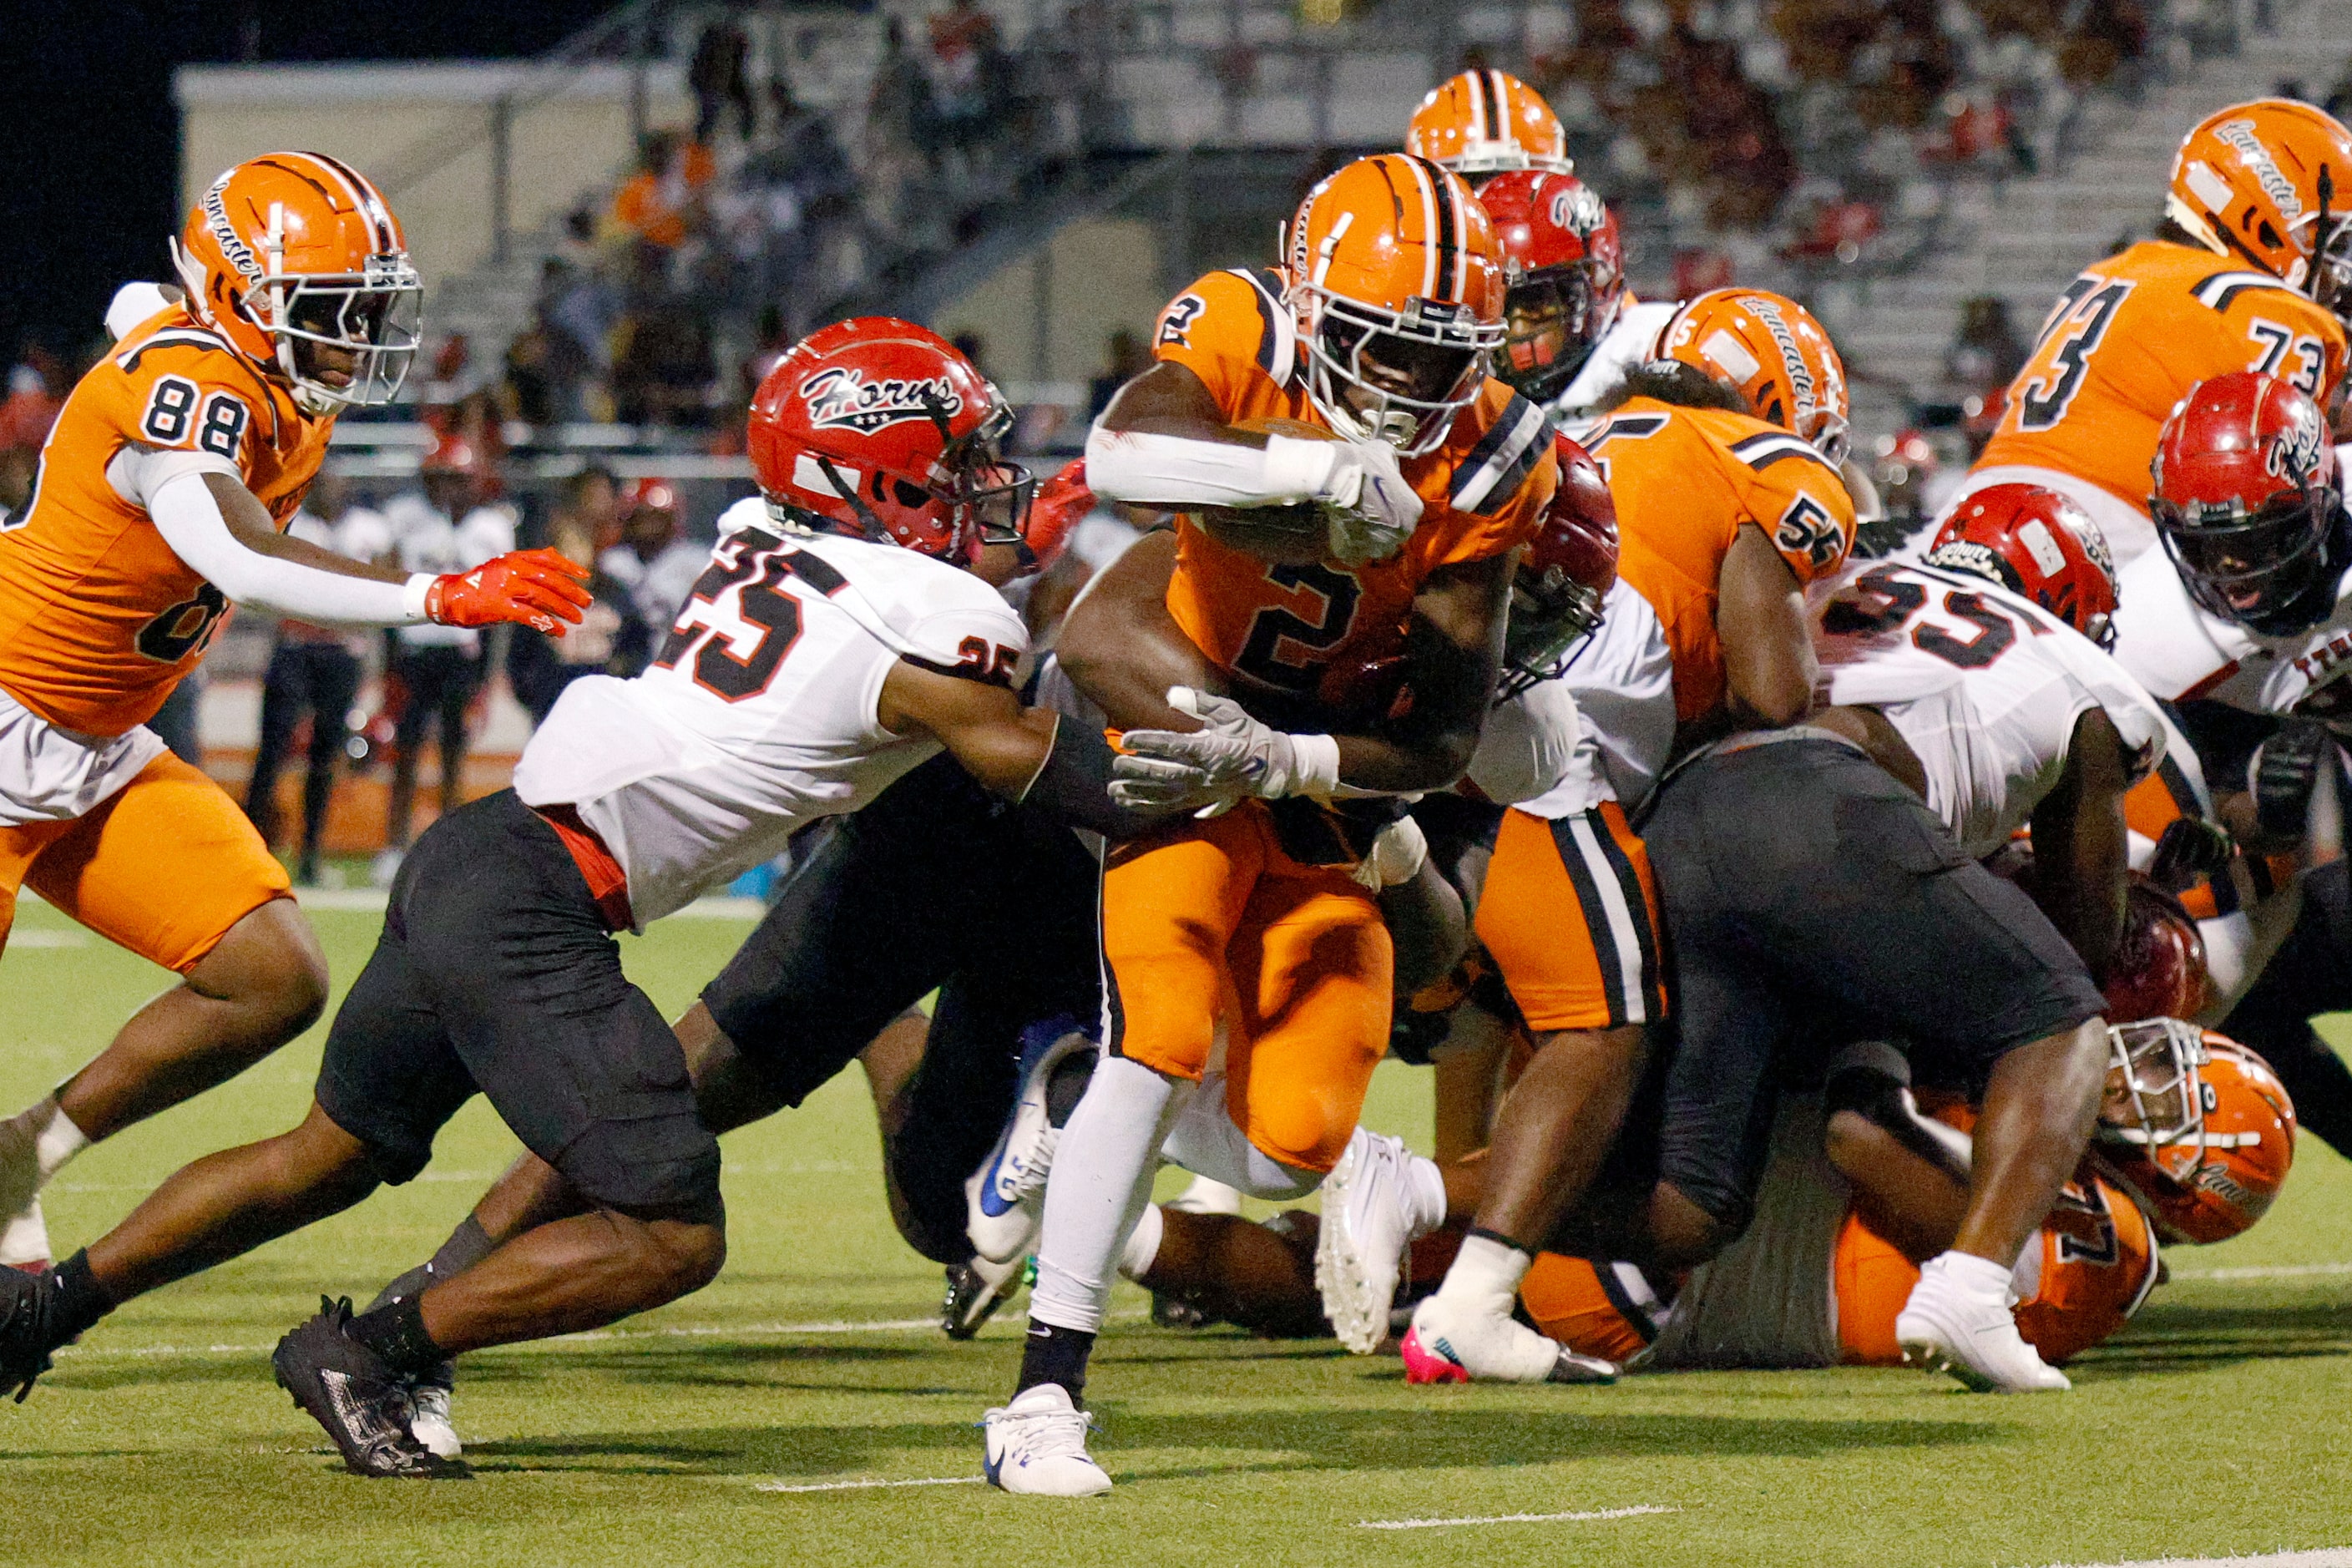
[
  {"x": 2200, "y": 1129},
  {"x": 2159, "y": 970},
  {"x": 1564, "y": 271},
  {"x": 1567, "y": 573},
  {"x": 2040, "y": 547},
  {"x": 879, "y": 429},
  {"x": 2249, "y": 503}
]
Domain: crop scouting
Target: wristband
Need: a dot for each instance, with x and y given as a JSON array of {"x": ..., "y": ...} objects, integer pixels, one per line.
[
  {"x": 414, "y": 594},
  {"x": 1314, "y": 766}
]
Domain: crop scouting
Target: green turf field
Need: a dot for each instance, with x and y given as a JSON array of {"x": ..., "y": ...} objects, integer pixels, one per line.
[{"x": 2218, "y": 1425}]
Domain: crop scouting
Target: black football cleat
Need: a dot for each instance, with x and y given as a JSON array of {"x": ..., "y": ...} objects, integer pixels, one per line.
[
  {"x": 24, "y": 1339},
  {"x": 363, "y": 1405},
  {"x": 975, "y": 1291}
]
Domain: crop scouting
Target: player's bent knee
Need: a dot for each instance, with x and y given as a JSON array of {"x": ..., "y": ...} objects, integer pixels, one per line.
[
  {"x": 269, "y": 963},
  {"x": 1684, "y": 1234},
  {"x": 672, "y": 1258}
]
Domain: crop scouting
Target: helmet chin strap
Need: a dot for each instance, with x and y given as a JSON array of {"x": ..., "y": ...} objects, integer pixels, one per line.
[{"x": 872, "y": 524}]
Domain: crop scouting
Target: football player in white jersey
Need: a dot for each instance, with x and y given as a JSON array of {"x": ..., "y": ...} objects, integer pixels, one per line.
[
  {"x": 833, "y": 645},
  {"x": 2244, "y": 619}
]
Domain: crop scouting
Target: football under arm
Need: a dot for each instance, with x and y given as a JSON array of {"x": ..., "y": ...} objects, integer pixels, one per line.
[
  {"x": 1453, "y": 651},
  {"x": 2081, "y": 847},
  {"x": 220, "y": 532},
  {"x": 1030, "y": 756},
  {"x": 1122, "y": 648},
  {"x": 1768, "y": 651}
]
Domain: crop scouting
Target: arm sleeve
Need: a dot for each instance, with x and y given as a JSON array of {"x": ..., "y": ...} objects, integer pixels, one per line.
[
  {"x": 191, "y": 522},
  {"x": 1172, "y": 470}
]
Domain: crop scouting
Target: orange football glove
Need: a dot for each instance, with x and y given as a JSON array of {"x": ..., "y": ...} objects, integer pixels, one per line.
[{"x": 537, "y": 588}]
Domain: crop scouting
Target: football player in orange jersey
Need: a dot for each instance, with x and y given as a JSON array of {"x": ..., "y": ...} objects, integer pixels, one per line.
[
  {"x": 1480, "y": 123},
  {"x": 158, "y": 503},
  {"x": 1408, "y": 479},
  {"x": 2251, "y": 269}
]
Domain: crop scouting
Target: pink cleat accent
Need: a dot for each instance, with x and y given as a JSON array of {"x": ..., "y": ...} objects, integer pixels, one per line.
[{"x": 1423, "y": 1364}]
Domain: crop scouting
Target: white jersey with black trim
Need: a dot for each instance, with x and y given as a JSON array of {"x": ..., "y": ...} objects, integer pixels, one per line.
[
  {"x": 759, "y": 714},
  {"x": 1607, "y": 720},
  {"x": 1629, "y": 341},
  {"x": 2178, "y": 651},
  {"x": 1983, "y": 686}
]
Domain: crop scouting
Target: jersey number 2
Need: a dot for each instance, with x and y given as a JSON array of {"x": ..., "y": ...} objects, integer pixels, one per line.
[{"x": 1261, "y": 659}]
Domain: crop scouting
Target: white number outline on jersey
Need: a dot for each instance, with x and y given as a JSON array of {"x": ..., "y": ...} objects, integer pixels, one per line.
[
  {"x": 751, "y": 566},
  {"x": 1807, "y": 529},
  {"x": 2278, "y": 340},
  {"x": 1176, "y": 321},
  {"x": 172, "y": 403},
  {"x": 1905, "y": 599},
  {"x": 2042, "y": 402},
  {"x": 220, "y": 430}
]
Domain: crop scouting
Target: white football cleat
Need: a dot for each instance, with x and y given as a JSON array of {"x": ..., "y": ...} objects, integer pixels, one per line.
[
  {"x": 1359, "y": 1247},
  {"x": 24, "y": 1233},
  {"x": 1038, "y": 1446},
  {"x": 1945, "y": 1328},
  {"x": 1448, "y": 1344},
  {"x": 1005, "y": 1199},
  {"x": 428, "y": 1412}
]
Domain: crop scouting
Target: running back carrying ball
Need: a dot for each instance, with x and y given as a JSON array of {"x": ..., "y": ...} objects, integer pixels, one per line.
[{"x": 1298, "y": 534}]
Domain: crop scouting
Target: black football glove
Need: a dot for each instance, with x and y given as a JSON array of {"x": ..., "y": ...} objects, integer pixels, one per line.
[
  {"x": 2190, "y": 847},
  {"x": 2284, "y": 772}
]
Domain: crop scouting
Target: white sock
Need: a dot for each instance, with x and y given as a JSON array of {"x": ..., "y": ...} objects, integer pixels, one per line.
[
  {"x": 1425, "y": 1186},
  {"x": 1142, "y": 1248},
  {"x": 1101, "y": 1185},
  {"x": 1486, "y": 1276},
  {"x": 1965, "y": 1274},
  {"x": 1205, "y": 1141},
  {"x": 51, "y": 1134}
]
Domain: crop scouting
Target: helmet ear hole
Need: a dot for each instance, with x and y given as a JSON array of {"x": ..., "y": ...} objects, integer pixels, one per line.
[{"x": 908, "y": 494}]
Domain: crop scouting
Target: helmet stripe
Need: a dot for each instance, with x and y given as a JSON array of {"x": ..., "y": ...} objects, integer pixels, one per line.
[
  {"x": 1482, "y": 115},
  {"x": 371, "y": 202},
  {"x": 1446, "y": 257},
  {"x": 1428, "y": 191},
  {"x": 1503, "y": 129}
]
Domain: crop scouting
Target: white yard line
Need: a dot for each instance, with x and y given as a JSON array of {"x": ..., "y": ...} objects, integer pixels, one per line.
[
  {"x": 2269, "y": 1271},
  {"x": 2333, "y": 1557},
  {"x": 1522, "y": 1518},
  {"x": 861, "y": 1485}
]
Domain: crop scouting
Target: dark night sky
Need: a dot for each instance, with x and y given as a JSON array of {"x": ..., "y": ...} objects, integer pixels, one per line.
[{"x": 89, "y": 141}]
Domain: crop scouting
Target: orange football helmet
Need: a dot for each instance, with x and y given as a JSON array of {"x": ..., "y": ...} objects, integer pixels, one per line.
[
  {"x": 1397, "y": 285},
  {"x": 2096, "y": 1264},
  {"x": 2270, "y": 181},
  {"x": 1486, "y": 121},
  {"x": 1772, "y": 351},
  {"x": 2199, "y": 1130},
  {"x": 296, "y": 259}
]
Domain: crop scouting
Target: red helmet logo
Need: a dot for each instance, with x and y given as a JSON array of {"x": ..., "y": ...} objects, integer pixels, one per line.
[{"x": 843, "y": 399}]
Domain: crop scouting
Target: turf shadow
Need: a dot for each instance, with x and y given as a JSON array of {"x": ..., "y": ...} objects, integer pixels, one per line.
[
  {"x": 1319, "y": 1441},
  {"x": 2178, "y": 1337}
]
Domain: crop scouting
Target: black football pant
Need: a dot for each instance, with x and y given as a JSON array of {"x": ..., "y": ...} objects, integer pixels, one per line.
[
  {"x": 2311, "y": 974},
  {"x": 305, "y": 678},
  {"x": 936, "y": 886}
]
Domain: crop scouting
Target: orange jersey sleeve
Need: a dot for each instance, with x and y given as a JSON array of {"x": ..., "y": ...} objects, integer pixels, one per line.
[
  {"x": 2126, "y": 342},
  {"x": 1685, "y": 481},
  {"x": 1278, "y": 626},
  {"x": 99, "y": 619}
]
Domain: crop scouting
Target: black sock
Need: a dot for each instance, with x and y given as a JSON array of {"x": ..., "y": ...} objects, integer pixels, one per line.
[
  {"x": 1053, "y": 1355},
  {"x": 396, "y": 1332},
  {"x": 467, "y": 1245},
  {"x": 1067, "y": 1086},
  {"x": 76, "y": 1300}
]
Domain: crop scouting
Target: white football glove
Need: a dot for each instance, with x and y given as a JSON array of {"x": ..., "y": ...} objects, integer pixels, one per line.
[
  {"x": 1369, "y": 508},
  {"x": 1395, "y": 856},
  {"x": 1231, "y": 757}
]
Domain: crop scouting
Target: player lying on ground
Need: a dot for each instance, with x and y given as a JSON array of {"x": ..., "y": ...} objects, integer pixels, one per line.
[
  {"x": 832, "y": 645},
  {"x": 159, "y": 501}
]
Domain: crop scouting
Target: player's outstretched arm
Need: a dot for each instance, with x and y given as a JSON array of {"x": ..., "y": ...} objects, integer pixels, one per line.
[
  {"x": 1028, "y": 755},
  {"x": 2081, "y": 847},
  {"x": 217, "y": 528}
]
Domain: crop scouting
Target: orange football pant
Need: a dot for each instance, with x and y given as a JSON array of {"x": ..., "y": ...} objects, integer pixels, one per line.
[
  {"x": 165, "y": 866},
  {"x": 1569, "y": 914},
  {"x": 1216, "y": 924}
]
